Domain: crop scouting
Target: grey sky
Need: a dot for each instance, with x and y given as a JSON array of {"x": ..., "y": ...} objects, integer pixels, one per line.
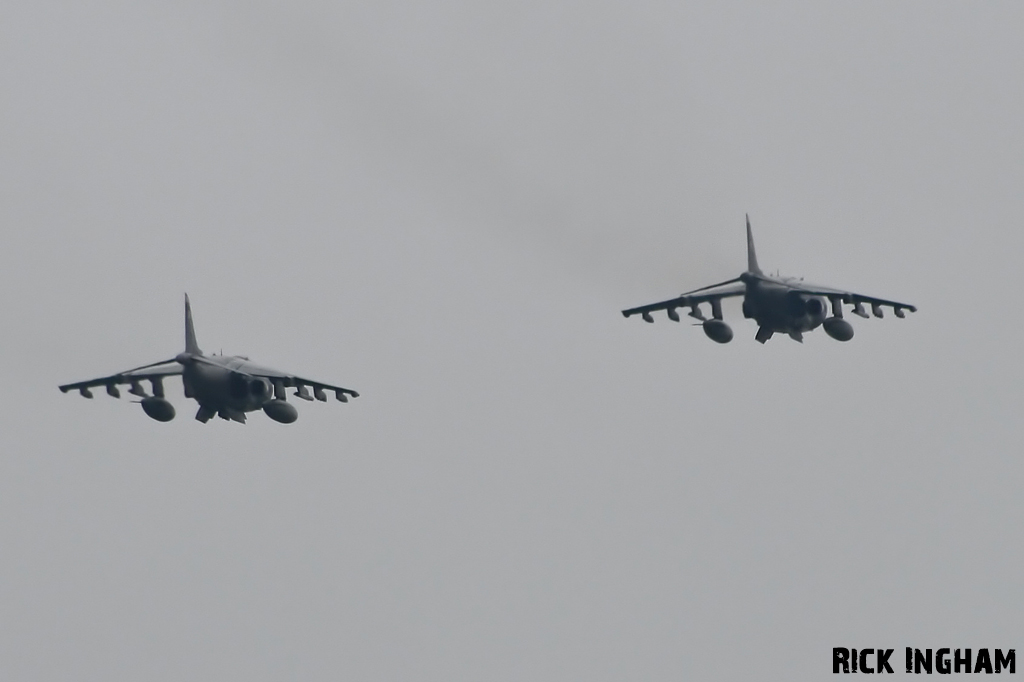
[{"x": 444, "y": 206}]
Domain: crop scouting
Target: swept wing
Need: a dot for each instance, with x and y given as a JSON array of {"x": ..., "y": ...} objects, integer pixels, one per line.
[
  {"x": 154, "y": 373},
  {"x": 300, "y": 384},
  {"x": 690, "y": 299},
  {"x": 858, "y": 300}
]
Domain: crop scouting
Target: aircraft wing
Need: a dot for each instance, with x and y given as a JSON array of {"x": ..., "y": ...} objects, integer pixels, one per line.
[
  {"x": 857, "y": 300},
  {"x": 688, "y": 300},
  {"x": 301, "y": 384},
  {"x": 154, "y": 372}
]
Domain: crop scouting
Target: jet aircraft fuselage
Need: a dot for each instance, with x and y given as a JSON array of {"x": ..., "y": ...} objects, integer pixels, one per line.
[
  {"x": 778, "y": 304},
  {"x": 225, "y": 386},
  {"x": 225, "y": 382},
  {"x": 785, "y": 305}
]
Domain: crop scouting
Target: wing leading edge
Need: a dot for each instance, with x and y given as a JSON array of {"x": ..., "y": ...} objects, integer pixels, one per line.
[
  {"x": 154, "y": 373},
  {"x": 301, "y": 384},
  {"x": 688, "y": 300},
  {"x": 858, "y": 300}
]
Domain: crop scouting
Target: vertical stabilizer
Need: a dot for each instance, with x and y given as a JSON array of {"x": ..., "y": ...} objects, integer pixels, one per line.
[
  {"x": 751, "y": 254},
  {"x": 190, "y": 331}
]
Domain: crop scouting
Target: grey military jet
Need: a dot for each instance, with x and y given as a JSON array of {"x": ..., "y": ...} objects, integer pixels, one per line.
[
  {"x": 786, "y": 305},
  {"x": 225, "y": 386}
]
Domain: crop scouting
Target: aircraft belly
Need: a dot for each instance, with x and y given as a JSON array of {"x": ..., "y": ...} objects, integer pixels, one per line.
[
  {"x": 785, "y": 324},
  {"x": 250, "y": 405},
  {"x": 772, "y": 310},
  {"x": 209, "y": 385}
]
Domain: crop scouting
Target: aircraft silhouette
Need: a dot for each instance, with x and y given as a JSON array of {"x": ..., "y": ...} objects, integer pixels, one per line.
[
  {"x": 787, "y": 305},
  {"x": 225, "y": 386}
]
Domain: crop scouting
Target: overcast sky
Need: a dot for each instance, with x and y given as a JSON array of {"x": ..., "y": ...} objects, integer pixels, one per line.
[{"x": 445, "y": 206}]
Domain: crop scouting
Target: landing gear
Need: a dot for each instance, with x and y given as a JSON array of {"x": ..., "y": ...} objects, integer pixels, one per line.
[
  {"x": 232, "y": 415},
  {"x": 205, "y": 414},
  {"x": 763, "y": 334}
]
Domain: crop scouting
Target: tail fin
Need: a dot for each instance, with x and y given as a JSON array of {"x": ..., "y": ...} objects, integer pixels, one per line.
[
  {"x": 751, "y": 254},
  {"x": 190, "y": 331}
]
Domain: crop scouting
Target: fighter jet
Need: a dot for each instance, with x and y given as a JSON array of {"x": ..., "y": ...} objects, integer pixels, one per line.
[
  {"x": 786, "y": 305},
  {"x": 225, "y": 386}
]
